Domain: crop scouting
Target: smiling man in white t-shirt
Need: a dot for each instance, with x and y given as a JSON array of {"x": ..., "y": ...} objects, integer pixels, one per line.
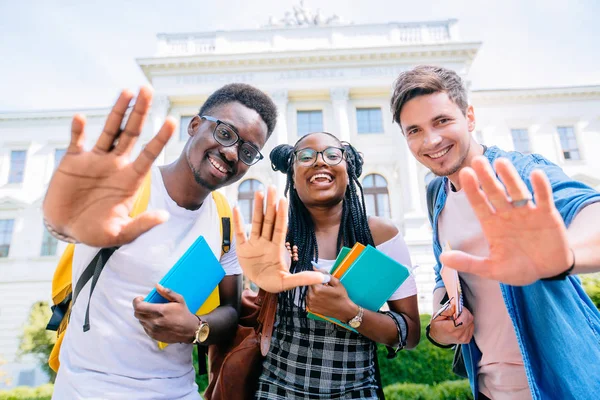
[{"x": 88, "y": 201}]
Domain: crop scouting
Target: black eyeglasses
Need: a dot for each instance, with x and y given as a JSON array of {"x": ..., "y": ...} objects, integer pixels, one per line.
[
  {"x": 226, "y": 135},
  {"x": 308, "y": 157}
]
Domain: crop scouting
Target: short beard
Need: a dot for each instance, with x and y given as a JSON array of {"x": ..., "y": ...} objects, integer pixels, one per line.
[
  {"x": 198, "y": 178},
  {"x": 455, "y": 168},
  {"x": 201, "y": 181}
]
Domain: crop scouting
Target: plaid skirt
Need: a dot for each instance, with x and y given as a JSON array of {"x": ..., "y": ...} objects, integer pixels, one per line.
[{"x": 317, "y": 360}]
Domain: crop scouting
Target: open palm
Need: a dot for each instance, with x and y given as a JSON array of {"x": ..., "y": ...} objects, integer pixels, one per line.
[
  {"x": 263, "y": 256},
  {"x": 92, "y": 192},
  {"x": 527, "y": 242}
]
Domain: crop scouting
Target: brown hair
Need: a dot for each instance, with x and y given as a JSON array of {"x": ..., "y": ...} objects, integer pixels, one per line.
[{"x": 427, "y": 79}]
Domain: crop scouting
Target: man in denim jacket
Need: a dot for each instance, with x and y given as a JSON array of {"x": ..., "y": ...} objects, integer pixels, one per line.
[{"x": 538, "y": 341}]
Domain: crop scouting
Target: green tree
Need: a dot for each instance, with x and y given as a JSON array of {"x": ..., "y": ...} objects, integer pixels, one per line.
[
  {"x": 591, "y": 285},
  {"x": 36, "y": 340}
]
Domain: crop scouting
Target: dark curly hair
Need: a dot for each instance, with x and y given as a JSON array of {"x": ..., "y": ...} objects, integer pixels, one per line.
[
  {"x": 354, "y": 226},
  {"x": 247, "y": 95}
]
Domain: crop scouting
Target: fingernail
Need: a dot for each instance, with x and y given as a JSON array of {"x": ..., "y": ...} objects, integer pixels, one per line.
[{"x": 326, "y": 278}]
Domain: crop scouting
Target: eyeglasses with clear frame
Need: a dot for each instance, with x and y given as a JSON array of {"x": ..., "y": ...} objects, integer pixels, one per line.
[
  {"x": 227, "y": 136},
  {"x": 308, "y": 157}
]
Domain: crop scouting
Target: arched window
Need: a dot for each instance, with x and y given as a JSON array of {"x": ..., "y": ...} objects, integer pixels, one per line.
[
  {"x": 377, "y": 197},
  {"x": 246, "y": 197}
]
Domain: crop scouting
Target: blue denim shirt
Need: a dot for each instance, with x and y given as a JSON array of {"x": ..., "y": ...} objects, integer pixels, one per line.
[{"x": 556, "y": 323}]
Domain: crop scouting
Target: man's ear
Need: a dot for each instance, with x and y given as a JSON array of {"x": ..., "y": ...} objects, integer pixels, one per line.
[
  {"x": 471, "y": 118},
  {"x": 194, "y": 125}
]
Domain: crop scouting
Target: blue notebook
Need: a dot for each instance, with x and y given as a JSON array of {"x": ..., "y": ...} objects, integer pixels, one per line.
[{"x": 194, "y": 276}]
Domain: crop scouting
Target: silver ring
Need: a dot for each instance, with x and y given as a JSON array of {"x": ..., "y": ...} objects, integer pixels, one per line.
[{"x": 520, "y": 203}]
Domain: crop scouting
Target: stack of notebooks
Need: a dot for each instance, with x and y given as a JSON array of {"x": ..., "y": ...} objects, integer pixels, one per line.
[{"x": 369, "y": 276}]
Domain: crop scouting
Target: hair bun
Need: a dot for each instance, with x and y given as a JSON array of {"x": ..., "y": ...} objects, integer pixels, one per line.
[
  {"x": 281, "y": 157},
  {"x": 355, "y": 159}
]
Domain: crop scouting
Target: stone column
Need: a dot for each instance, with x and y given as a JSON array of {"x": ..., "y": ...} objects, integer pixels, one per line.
[
  {"x": 158, "y": 114},
  {"x": 280, "y": 135},
  {"x": 339, "y": 99}
]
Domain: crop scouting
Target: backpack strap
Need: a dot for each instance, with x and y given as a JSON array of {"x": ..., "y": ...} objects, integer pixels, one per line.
[
  {"x": 224, "y": 211},
  {"x": 433, "y": 190},
  {"x": 100, "y": 261}
]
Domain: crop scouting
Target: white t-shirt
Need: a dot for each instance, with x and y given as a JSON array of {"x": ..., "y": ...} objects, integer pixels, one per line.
[
  {"x": 115, "y": 359},
  {"x": 396, "y": 249}
]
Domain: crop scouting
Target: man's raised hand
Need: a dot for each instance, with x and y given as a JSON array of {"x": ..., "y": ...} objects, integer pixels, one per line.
[{"x": 92, "y": 192}]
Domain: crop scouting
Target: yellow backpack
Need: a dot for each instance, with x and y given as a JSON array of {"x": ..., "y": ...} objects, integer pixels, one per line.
[{"x": 63, "y": 293}]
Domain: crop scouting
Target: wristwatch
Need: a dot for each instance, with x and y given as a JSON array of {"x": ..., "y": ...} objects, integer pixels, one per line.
[
  {"x": 356, "y": 321},
  {"x": 202, "y": 332}
]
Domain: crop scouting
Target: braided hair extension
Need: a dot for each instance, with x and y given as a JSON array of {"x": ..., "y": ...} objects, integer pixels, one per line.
[{"x": 354, "y": 225}]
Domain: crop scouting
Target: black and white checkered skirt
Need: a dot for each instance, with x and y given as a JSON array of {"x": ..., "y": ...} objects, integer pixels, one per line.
[{"x": 317, "y": 360}]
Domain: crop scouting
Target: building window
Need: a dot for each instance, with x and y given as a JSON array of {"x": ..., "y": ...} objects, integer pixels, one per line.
[
  {"x": 246, "y": 197},
  {"x": 49, "y": 243},
  {"x": 309, "y": 121},
  {"x": 6, "y": 229},
  {"x": 568, "y": 142},
  {"x": 17, "y": 166},
  {"x": 377, "y": 197},
  {"x": 520, "y": 139},
  {"x": 184, "y": 122},
  {"x": 58, "y": 156},
  {"x": 369, "y": 120}
]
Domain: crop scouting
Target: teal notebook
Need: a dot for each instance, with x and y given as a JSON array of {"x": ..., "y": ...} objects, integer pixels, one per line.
[
  {"x": 194, "y": 276},
  {"x": 371, "y": 280},
  {"x": 343, "y": 252}
]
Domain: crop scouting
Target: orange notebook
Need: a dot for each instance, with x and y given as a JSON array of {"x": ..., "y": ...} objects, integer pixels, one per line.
[
  {"x": 341, "y": 269},
  {"x": 348, "y": 260}
]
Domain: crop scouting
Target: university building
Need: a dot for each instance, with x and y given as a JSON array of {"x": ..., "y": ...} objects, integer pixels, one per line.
[{"x": 324, "y": 75}]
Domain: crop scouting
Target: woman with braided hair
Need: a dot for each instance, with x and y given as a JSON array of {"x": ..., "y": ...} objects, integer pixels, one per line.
[{"x": 310, "y": 358}]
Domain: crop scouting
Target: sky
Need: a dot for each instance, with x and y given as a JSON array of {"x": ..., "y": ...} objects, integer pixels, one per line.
[{"x": 57, "y": 54}]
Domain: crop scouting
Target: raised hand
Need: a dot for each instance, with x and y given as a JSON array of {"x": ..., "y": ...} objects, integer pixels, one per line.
[
  {"x": 92, "y": 192},
  {"x": 264, "y": 257},
  {"x": 527, "y": 241}
]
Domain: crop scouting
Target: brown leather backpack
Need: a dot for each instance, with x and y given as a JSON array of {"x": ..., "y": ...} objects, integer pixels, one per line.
[{"x": 236, "y": 366}]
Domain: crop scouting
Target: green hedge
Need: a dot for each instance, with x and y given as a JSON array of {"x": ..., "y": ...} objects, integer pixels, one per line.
[
  {"x": 426, "y": 364},
  {"x": 451, "y": 390},
  {"x": 408, "y": 391},
  {"x": 43, "y": 392}
]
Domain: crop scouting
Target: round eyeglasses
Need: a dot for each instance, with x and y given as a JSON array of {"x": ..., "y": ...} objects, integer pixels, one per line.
[
  {"x": 226, "y": 135},
  {"x": 308, "y": 157}
]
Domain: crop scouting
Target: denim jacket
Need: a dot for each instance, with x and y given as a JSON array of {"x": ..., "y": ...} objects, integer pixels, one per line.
[{"x": 556, "y": 323}]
